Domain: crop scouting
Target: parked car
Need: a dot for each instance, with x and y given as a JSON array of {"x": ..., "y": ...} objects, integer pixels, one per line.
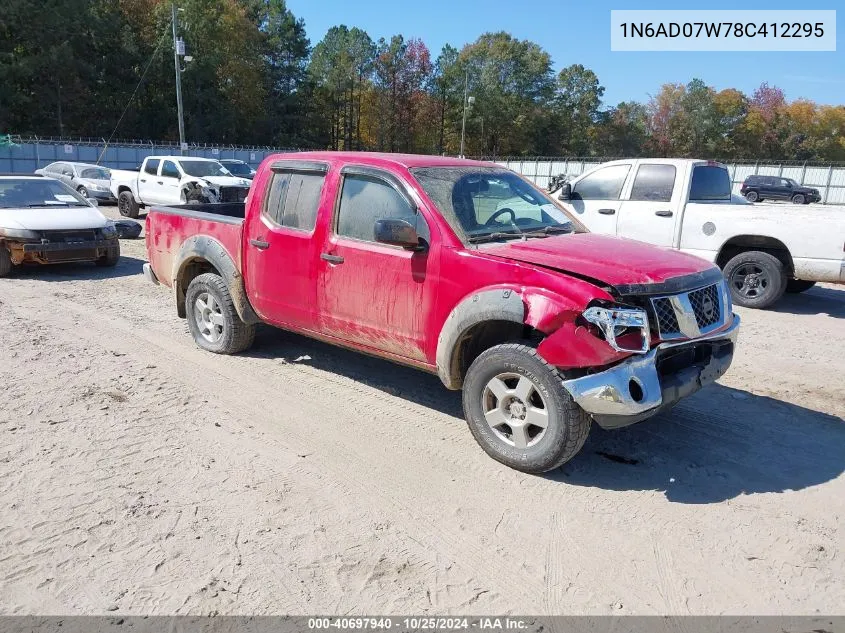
[
  {"x": 43, "y": 221},
  {"x": 91, "y": 181},
  {"x": 759, "y": 188},
  {"x": 176, "y": 180},
  {"x": 686, "y": 204},
  {"x": 460, "y": 268},
  {"x": 238, "y": 167}
]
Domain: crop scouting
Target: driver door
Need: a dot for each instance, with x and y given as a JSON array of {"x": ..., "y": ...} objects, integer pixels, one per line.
[
  {"x": 596, "y": 197},
  {"x": 169, "y": 190}
]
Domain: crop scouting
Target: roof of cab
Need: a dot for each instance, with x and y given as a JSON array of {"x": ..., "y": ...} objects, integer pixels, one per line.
[{"x": 377, "y": 159}]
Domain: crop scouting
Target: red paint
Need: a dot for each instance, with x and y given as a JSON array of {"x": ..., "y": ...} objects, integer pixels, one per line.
[{"x": 394, "y": 302}]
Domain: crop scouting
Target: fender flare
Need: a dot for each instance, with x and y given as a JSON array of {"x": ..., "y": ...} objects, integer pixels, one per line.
[
  {"x": 208, "y": 249},
  {"x": 498, "y": 304}
]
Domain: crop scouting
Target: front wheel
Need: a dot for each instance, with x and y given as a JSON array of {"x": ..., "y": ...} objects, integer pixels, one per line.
[
  {"x": 83, "y": 192},
  {"x": 756, "y": 279},
  {"x": 798, "y": 198},
  {"x": 794, "y": 286},
  {"x": 519, "y": 411},
  {"x": 212, "y": 319},
  {"x": 126, "y": 205}
]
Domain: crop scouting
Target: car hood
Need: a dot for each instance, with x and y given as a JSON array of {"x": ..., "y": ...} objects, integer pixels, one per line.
[
  {"x": 51, "y": 219},
  {"x": 227, "y": 181},
  {"x": 611, "y": 260}
]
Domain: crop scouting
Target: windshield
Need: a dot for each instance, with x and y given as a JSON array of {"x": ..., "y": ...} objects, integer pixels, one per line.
[
  {"x": 201, "y": 168},
  {"x": 16, "y": 193},
  {"x": 792, "y": 182},
  {"x": 483, "y": 203},
  {"x": 239, "y": 169},
  {"x": 94, "y": 173}
]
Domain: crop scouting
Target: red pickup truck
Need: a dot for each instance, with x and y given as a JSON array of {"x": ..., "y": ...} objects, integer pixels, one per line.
[{"x": 460, "y": 268}]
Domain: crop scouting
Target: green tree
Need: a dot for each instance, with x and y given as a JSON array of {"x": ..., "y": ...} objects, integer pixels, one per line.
[{"x": 576, "y": 103}]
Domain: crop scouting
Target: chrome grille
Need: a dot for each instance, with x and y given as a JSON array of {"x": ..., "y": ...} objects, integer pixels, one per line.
[
  {"x": 690, "y": 314},
  {"x": 664, "y": 315},
  {"x": 706, "y": 305}
]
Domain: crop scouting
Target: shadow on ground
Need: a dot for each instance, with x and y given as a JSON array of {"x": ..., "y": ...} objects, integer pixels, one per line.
[
  {"x": 126, "y": 267},
  {"x": 719, "y": 444},
  {"x": 816, "y": 300}
]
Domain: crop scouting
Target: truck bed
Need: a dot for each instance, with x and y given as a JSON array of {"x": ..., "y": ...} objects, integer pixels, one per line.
[{"x": 172, "y": 229}]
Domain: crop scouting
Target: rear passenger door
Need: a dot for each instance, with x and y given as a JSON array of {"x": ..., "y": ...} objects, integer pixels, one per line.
[
  {"x": 596, "y": 197},
  {"x": 649, "y": 214},
  {"x": 280, "y": 251}
]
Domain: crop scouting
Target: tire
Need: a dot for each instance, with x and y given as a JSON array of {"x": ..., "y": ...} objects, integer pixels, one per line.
[
  {"x": 5, "y": 262},
  {"x": 794, "y": 286},
  {"x": 112, "y": 256},
  {"x": 798, "y": 198},
  {"x": 756, "y": 279},
  {"x": 520, "y": 369},
  {"x": 233, "y": 335},
  {"x": 82, "y": 191},
  {"x": 126, "y": 205},
  {"x": 752, "y": 196}
]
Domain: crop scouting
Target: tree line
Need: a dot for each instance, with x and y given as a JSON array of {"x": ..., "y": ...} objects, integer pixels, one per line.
[{"x": 70, "y": 67}]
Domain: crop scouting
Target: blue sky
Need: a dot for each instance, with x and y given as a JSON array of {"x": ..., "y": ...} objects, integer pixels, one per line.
[{"x": 579, "y": 32}]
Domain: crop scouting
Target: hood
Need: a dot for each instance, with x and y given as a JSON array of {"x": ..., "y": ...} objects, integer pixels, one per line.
[
  {"x": 52, "y": 219},
  {"x": 611, "y": 260},
  {"x": 227, "y": 181},
  {"x": 803, "y": 189}
]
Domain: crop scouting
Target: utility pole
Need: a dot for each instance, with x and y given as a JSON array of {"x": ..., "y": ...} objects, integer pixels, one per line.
[
  {"x": 464, "y": 124},
  {"x": 178, "y": 67}
]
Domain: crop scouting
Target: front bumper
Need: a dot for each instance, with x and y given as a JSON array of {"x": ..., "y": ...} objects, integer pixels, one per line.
[
  {"x": 100, "y": 195},
  {"x": 642, "y": 386}
]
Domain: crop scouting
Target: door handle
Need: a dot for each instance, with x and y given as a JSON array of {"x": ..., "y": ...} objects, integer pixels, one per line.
[
  {"x": 607, "y": 211},
  {"x": 260, "y": 244},
  {"x": 332, "y": 259},
  {"x": 663, "y": 214},
  {"x": 143, "y": 180}
]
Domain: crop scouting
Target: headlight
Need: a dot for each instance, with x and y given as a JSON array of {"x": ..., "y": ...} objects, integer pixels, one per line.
[
  {"x": 109, "y": 231},
  {"x": 614, "y": 322},
  {"x": 19, "y": 234}
]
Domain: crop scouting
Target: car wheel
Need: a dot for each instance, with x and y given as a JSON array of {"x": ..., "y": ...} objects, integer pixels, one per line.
[
  {"x": 82, "y": 191},
  {"x": 752, "y": 196},
  {"x": 794, "y": 286},
  {"x": 756, "y": 279},
  {"x": 112, "y": 256},
  {"x": 5, "y": 262},
  {"x": 212, "y": 319},
  {"x": 519, "y": 411},
  {"x": 126, "y": 205},
  {"x": 798, "y": 198}
]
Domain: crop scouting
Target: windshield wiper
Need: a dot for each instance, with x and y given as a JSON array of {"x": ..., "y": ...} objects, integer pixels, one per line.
[
  {"x": 549, "y": 230},
  {"x": 489, "y": 237}
]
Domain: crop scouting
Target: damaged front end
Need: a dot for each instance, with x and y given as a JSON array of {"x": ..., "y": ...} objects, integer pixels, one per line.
[{"x": 60, "y": 246}]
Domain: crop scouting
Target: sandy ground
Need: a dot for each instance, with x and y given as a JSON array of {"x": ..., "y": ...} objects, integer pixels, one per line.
[{"x": 141, "y": 475}]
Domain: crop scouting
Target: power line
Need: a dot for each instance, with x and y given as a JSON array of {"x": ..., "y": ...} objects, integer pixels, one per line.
[{"x": 134, "y": 92}]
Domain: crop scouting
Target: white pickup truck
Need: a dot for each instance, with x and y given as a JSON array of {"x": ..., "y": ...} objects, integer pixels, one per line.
[
  {"x": 168, "y": 180},
  {"x": 763, "y": 250}
]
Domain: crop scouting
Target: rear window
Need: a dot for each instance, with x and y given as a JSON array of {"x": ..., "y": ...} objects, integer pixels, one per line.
[
  {"x": 294, "y": 199},
  {"x": 710, "y": 182}
]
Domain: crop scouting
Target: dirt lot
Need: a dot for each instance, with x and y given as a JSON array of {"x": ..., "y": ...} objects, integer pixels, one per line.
[{"x": 143, "y": 476}]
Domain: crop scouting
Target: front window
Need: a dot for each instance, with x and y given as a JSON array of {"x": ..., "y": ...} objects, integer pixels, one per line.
[
  {"x": 239, "y": 169},
  {"x": 203, "y": 168},
  {"x": 486, "y": 202},
  {"x": 19, "y": 193},
  {"x": 94, "y": 173}
]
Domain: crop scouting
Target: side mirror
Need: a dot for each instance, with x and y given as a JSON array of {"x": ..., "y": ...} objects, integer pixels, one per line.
[
  {"x": 397, "y": 233},
  {"x": 565, "y": 191}
]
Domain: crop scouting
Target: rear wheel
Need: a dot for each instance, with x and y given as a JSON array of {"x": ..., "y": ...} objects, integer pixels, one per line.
[
  {"x": 519, "y": 411},
  {"x": 126, "y": 205},
  {"x": 756, "y": 279},
  {"x": 798, "y": 198},
  {"x": 5, "y": 262},
  {"x": 212, "y": 319},
  {"x": 752, "y": 196},
  {"x": 798, "y": 285}
]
